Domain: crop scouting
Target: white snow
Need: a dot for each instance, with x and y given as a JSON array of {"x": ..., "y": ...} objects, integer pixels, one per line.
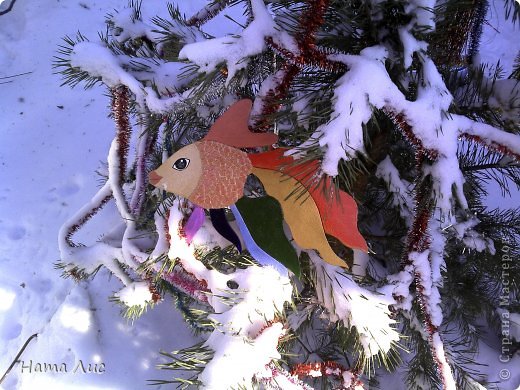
[
  {"x": 243, "y": 336},
  {"x": 400, "y": 188},
  {"x": 410, "y": 46},
  {"x": 135, "y": 294},
  {"x": 52, "y": 141},
  {"x": 76, "y": 318},
  {"x": 98, "y": 61},
  {"x": 355, "y": 306},
  {"x": 237, "y": 360},
  {"x": 6, "y": 299},
  {"x": 232, "y": 49}
]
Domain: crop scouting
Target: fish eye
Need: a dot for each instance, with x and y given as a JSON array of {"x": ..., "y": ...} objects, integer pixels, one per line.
[{"x": 181, "y": 164}]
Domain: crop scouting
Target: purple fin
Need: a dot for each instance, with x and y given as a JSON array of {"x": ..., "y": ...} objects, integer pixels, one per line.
[{"x": 195, "y": 221}]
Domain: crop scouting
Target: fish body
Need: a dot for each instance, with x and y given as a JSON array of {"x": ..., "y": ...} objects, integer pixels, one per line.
[{"x": 211, "y": 173}]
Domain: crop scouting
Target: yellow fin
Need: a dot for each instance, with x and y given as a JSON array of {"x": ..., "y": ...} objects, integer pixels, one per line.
[{"x": 300, "y": 213}]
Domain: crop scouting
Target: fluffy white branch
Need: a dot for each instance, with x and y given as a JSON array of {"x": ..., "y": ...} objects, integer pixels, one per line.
[
  {"x": 244, "y": 336},
  {"x": 355, "y": 306},
  {"x": 99, "y": 61},
  {"x": 234, "y": 50},
  {"x": 401, "y": 189}
]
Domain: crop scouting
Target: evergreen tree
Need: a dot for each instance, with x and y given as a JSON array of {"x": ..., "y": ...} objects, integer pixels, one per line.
[{"x": 388, "y": 96}]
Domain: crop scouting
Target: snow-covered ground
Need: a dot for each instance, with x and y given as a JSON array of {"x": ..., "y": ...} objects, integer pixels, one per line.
[{"x": 52, "y": 140}]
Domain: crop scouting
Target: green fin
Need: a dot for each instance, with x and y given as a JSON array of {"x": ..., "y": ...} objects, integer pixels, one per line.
[{"x": 264, "y": 219}]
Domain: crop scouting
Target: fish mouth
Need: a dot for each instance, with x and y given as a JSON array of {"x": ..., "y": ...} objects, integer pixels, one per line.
[{"x": 154, "y": 178}]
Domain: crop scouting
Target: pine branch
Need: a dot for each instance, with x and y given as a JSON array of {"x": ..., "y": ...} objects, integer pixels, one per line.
[
  {"x": 308, "y": 74},
  {"x": 483, "y": 166},
  {"x": 208, "y": 12},
  {"x": 72, "y": 76},
  {"x": 515, "y": 74},
  {"x": 458, "y": 31},
  {"x": 512, "y": 8},
  {"x": 311, "y": 19}
]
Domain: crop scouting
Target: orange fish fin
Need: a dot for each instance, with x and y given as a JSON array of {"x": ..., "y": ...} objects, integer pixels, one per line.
[
  {"x": 231, "y": 128},
  {"x": 273, "y": 159},
  {"x": 302, "y": 214},
  {"x": 338, "y": 210}
]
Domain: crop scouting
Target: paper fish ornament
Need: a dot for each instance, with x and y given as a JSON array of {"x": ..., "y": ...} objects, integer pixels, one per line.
[{"x": 211, "y": 173}]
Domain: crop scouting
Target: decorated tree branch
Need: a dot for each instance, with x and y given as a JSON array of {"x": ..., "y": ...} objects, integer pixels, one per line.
[{"x": 309, "y": 190}]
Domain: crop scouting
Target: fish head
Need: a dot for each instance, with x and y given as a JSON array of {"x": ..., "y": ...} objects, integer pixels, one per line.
[{"x": 180, "y": 173}]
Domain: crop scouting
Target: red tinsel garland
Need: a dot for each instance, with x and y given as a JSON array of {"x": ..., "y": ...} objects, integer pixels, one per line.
[
  {"x": 74, "y": 228},
  {"x": 179, "y": 277},
  {"x": 207, "y": 13},
  {"x": 327, "y": 368},
  {"x": 495, "y": 146},
  {"x": 308, "y": 55},
  {"x": 120, "y": 106}
]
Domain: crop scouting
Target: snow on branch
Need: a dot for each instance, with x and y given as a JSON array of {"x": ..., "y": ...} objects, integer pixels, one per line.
[
  {"x": 489, "y": 136},
  {"x": 98, "y": 61},
  {"x": 365, "y": 85},
  {"x": 127, "y": 24},
  {"x": 135, "y": 294},
  {"x": 349, "y": 378},
  {"x": 277, "y": 378},
  {"x": 401, "y": 189},
  {"x": 81, "y": 260},
  {"x": 423, "y": 263},
  {"x": 246, "y": 330},
  {"x": 234, "y": 50},
  {"x": 238, "y": 358},
  {"x": 355, "y": 306},
  {"x": 88, "y": 259},
  {"x": 424, "y": 122}
]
